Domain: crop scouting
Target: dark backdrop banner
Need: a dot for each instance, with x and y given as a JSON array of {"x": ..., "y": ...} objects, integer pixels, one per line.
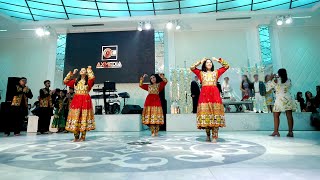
[{"x": 120, "y": 57}]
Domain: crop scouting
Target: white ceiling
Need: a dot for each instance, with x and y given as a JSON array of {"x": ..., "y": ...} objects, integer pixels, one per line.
[{"x": 189, "y": 22}]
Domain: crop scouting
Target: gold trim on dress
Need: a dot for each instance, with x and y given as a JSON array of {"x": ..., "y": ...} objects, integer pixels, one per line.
[
  {"x": 210, "y": 115},
  {"x": 80, "y": 120},
  {"x": 195, "y": 65},
  {"x": 224, "y": 63},
  {"x": 68, "y": 77},
  {"x": 152, "y": 115},
  {"x": 81, "y": 92},
  {"x": 141, "y": 82},
  {"x": 90, "y": 73}
]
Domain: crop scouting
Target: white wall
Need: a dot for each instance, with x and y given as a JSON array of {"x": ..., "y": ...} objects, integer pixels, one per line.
[
  {"x": 30, "y": 57},
  {"x": 238, "y": 46},
  {"x": 298, "y": 52}
]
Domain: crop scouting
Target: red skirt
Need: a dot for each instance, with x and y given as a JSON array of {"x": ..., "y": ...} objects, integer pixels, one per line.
[
  {"x": 80, "y": 117},
  {"x": 210, "y": 111},
  {"x": 152, "y": 113}
]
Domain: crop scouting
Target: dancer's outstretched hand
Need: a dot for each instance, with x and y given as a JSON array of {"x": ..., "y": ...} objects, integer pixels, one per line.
[
  {"x": 161, "y": 75},
  {"x": 215, "y": 59},
  {"x": 75, "y": 71}
]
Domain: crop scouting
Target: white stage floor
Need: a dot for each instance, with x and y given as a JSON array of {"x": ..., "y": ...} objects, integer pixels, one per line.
[{"x": 174, "y": 155}]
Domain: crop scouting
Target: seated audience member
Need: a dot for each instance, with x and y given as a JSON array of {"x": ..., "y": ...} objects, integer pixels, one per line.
[
  {"x": 301, "y": 101},
  {"x": 310, "y": 106}
]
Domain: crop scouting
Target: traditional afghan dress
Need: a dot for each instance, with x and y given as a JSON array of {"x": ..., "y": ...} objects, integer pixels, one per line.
[
  {"x": 80, "y": 117},
  {"x": 59, "y": 120},
  {"x": 210, "y": 111},
  {"x": 152, "y": 113}
]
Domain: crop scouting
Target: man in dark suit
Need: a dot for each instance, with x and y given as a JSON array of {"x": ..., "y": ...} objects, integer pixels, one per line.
[{"x": 195, "y": 92}]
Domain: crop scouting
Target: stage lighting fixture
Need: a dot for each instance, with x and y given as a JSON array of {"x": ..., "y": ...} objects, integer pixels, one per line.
[
  {"x": 169, "y": 25},
  {"x": 139, "y": 26},
  {"x": 288, "y": 19},
  {"x": 147, "y": 25},
  {"x": 178, "y": 27},
  {"x": 40, "y": 32},
  {"x": 279, "y": 20}
]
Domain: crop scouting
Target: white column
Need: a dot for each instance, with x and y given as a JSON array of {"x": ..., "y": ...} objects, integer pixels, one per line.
[
  {"x": 275, "y": 49},
  {"x": 52, "y": 41},
  {"x": 253, "y": 46},
  {"x": 169, "y": 62}
]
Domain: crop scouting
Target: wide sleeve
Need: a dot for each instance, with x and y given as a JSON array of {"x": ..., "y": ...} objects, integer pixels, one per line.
[
  {"x": 68, "y": 80},
  {"x": 143, "y": 86},
  {"x": 163, "y": 84},
  {"x": 224, "y": 68},
  {"x": 91, "y": 77},
  {"x": 195, "y": 70}
]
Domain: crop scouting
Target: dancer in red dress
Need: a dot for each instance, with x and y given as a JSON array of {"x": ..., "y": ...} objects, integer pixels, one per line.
[
  {"x": 80, "y": 117},
  {"x": 210, "y": 111},
  {"x": 152, "y": 114}
]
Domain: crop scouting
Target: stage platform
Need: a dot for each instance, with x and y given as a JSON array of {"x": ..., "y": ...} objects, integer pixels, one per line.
[
  {"x": 187, "y": 122},
  {"x": 241, "y": 122},
  {"x": 105, "y": 123}
]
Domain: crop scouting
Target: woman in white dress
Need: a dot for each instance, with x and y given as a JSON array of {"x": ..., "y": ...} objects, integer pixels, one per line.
[
  {"x": 226, "y": 89},
  {"x": 283, "y": 102}
]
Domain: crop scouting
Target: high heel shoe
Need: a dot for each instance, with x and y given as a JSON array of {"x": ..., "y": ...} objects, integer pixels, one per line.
[
  {"x": 290, "y": 134},
  {"x": 275, "y": 134}
]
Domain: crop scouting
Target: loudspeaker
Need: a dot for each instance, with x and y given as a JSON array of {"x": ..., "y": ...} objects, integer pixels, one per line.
[
  {"x": 11, "y": 87},
  {"x": 131, "y": 109},
  {"x": 98, "y": 110}
]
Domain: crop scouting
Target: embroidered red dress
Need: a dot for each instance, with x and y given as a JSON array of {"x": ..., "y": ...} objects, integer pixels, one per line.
[
  {"x": 152, "y": 113},
  {"x": 80, "y": 117},
  {"x": 210, "y": 111}
]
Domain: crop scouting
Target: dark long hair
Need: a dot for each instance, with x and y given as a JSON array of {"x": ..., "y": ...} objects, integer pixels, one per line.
[
  {"x": 158, "y": 78},
  {"x": 203, "y": 68},
  {"x": 249, "y": 82},
  {"x": 266, "y": 78},
  {"x": 299, "y": 96},
  {"x": 79, "y": 78},
  {"x": 307, "y": 98},
  {"x": 283, "y": 75}
]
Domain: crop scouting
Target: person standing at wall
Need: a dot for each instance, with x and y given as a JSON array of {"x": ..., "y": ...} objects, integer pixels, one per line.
[
  {"x": 46, "y": 108},
  {"x": 81, "y": 116},
  {"x": 59, "y": 120},
  {"x": 210, "y": 112},
  {"x": 152, "y": 114},
  {"x": 195, "y": 92},
  {"x": 246, "y": 89},
  {"x": 68, "y": 101},
  {"x": 259, "y": 93},
  {"x": 269, "y": 94},
  {"x": 19, "y": 107}
]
